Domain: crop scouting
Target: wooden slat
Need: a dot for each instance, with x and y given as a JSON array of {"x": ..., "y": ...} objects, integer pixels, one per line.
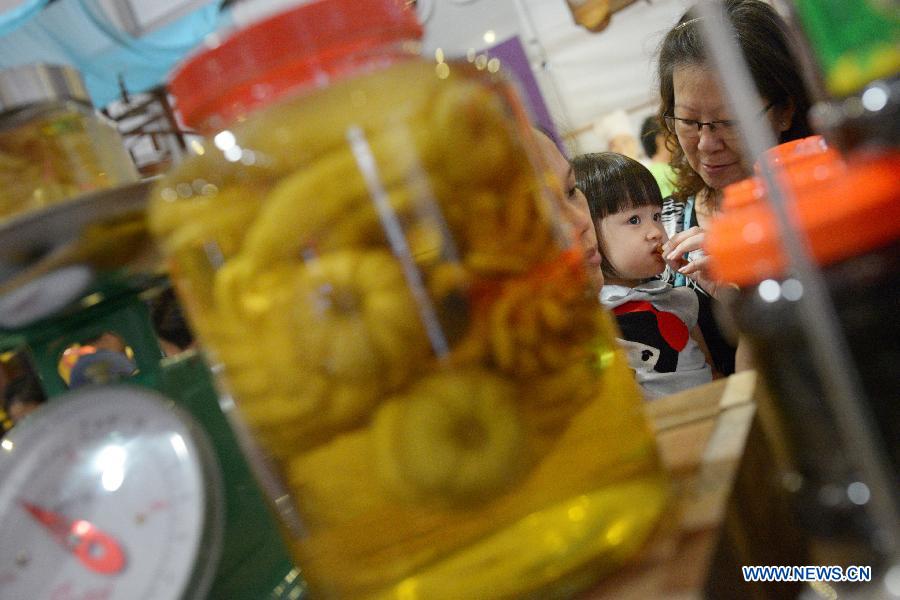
[{"x": 701, "y": 435}]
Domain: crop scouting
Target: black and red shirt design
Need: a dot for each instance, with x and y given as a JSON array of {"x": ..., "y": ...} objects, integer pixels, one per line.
[{"x": 663, "y": 333}]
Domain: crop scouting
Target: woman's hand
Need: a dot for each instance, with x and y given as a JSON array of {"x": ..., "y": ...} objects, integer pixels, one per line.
[{"x": 690, "y": 242}]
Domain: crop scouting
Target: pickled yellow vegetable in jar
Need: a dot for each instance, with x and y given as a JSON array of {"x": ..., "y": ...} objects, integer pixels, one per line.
[
  {"x": 53, "y": 146},
  {"x": 373, "y": 259}
]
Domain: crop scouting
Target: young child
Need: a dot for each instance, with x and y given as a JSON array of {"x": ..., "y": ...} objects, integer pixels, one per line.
[{"x": 658, "y": 322}]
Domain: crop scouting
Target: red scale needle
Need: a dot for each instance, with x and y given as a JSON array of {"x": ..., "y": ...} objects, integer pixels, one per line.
[{"x": 95, "y": 549}]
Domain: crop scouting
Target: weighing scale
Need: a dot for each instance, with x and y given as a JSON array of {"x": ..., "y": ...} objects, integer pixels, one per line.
[
  {"x": 112, "y": 492},
  {"x": 185, "y": 519}
]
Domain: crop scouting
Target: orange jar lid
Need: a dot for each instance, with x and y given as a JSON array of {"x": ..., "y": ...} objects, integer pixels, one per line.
[
  {"x": 799, "y": 170},
  {"x": 746, "y": 192},
  {"x": 307, "y": 46},
  {"x": 841, "y": 216},
  {"x": 788, "y": 151}
]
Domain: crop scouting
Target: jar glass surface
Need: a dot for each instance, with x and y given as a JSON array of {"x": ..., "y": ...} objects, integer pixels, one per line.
[
  {"x": 815, "y": 470},
  {"x": 376, "y": 266},
  {"x": 57, "y": 150}
]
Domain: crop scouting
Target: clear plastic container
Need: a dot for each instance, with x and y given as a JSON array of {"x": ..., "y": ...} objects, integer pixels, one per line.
[
  {"x": 53, "y": 145},
  {"x": 851, "y": 219},
  {"x": 371, "y": 259}
]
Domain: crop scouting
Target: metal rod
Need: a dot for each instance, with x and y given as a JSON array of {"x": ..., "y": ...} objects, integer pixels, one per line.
[{"x": 834, "y": 364}]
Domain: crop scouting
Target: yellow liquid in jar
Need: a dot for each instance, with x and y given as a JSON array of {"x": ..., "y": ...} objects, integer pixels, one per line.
[
  {"x": 586, "y": 508},
  {"x": 379, "y": 276},
  {"x": 57, "y": 154}
]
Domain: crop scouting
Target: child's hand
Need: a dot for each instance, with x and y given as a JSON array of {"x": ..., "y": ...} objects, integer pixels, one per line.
[{"x": 690, "y": 242}]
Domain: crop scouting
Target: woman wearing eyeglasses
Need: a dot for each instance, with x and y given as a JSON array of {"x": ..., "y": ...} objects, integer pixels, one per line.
[{"x": 704, "y": 140}]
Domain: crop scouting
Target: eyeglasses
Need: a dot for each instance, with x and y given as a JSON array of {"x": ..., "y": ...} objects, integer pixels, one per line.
[{"x": 691, "y": 128}]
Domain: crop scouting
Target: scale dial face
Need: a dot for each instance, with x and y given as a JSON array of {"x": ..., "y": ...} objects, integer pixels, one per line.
[{"x": 108, "y": 493}]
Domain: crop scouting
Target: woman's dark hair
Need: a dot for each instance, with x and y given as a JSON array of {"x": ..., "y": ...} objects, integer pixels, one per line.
[
  {"x": 764, "y": 39},
  {"x": 612, "y": 182}
]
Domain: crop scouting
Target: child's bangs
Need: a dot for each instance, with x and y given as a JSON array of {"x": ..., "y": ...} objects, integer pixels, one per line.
[{"x": 634, "y": 187}]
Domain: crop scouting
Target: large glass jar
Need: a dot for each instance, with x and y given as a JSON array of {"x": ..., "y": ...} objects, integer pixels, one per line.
[
  {"x": 371, "y": 261},
  {"x": 53, "y": 145},
  {"x": 850, "y": 217}
]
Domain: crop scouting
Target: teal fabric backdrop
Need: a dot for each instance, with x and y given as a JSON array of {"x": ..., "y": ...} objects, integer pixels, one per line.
[{"x": 77, "y": 33}]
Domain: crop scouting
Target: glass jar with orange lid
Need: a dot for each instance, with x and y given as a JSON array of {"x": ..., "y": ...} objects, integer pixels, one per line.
[
  {"x": 371, "y": 259},
  {"x": 849, "y": 214}
]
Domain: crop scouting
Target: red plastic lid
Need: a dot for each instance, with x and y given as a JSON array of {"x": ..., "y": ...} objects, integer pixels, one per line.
[
  {"x": 307, "y": 46},
  {"x": 843, "y": 216}
]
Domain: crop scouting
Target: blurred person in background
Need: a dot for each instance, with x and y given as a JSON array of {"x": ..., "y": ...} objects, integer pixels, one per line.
[
  {"x": 615, "y": 129},
  {"x": 653, "y": 140}
]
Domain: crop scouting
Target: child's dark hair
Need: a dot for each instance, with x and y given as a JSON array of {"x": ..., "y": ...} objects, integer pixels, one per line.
[{"x": 612, "y": 182}]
